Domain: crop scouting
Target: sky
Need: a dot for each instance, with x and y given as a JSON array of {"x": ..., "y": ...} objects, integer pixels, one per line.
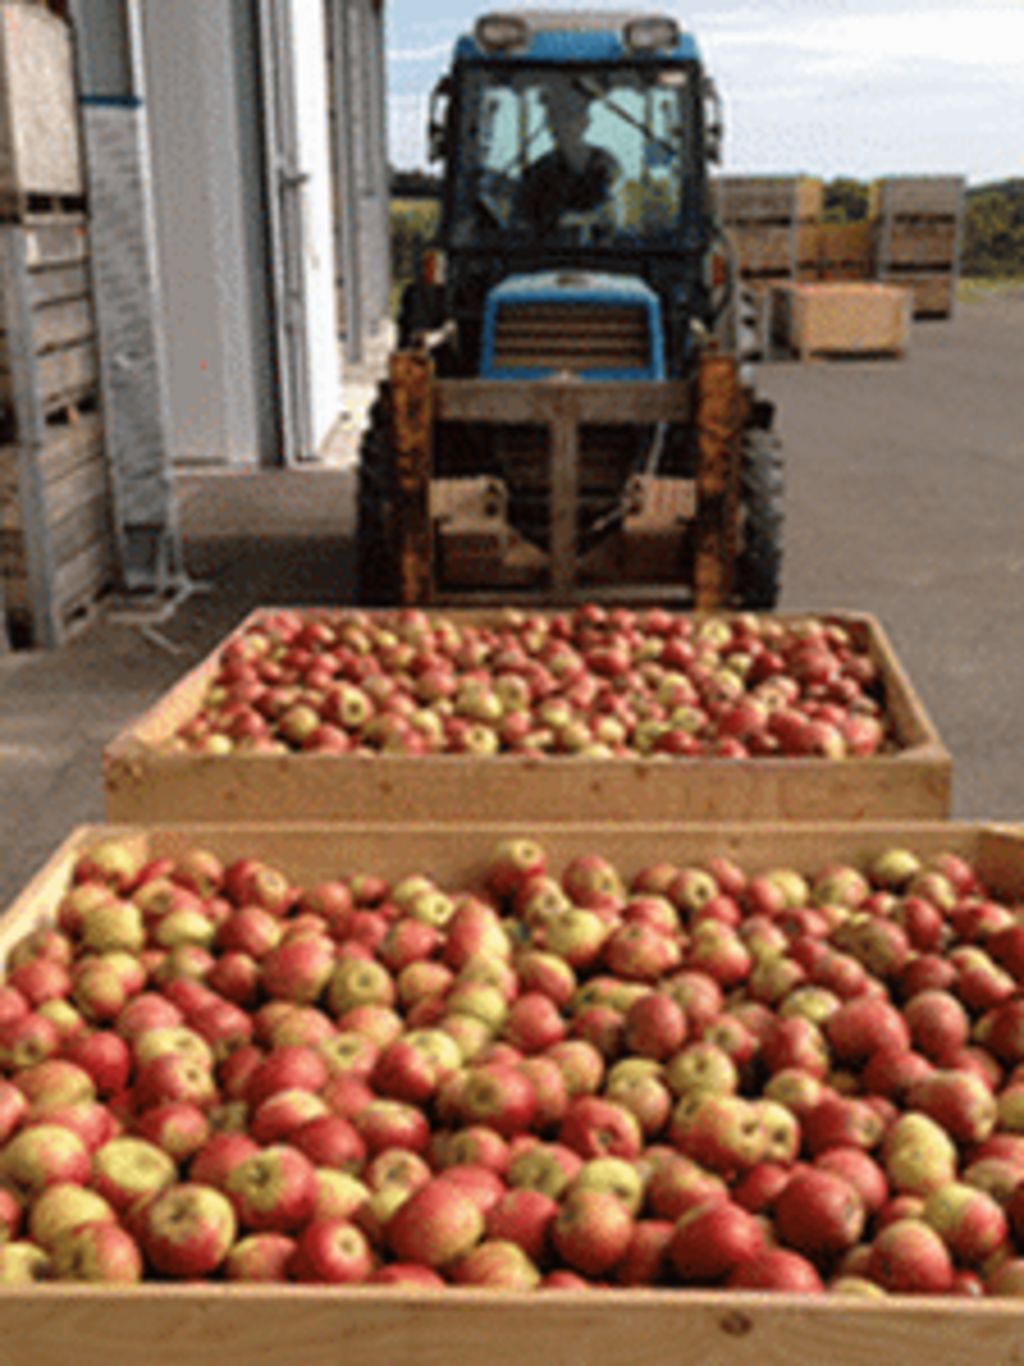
[{"x": 859, "y": 88}]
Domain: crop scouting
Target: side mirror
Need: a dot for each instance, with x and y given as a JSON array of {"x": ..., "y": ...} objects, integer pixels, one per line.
[
  {"x": 714, "y": 131},
  {"x": 437, "y": 128}
]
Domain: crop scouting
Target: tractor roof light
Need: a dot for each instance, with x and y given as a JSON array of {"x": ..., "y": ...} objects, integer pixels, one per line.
[
  {"x": 501, "y": 32},
  {"x": 653, "y": 34}
]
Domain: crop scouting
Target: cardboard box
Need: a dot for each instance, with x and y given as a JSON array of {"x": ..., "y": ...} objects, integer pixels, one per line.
[{"x": 143, "y": 782}]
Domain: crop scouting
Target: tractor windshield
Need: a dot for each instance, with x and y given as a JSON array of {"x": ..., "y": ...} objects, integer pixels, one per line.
[{"x": 551, "y": 158}]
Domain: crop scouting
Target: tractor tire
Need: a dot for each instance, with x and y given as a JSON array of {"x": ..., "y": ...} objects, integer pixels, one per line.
[
  {"x": 376, "y": 578},
  {"x": 759, "y": 566}
]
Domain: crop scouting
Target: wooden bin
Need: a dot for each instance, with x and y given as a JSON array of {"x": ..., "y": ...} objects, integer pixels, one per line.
[
  {"x": 40, "y": 154},
  {"x": 213, "y": 1324},
  {"x": 932, "y": 292},
  {"x": 144, "y": 783},
  {"x": 846, "y": 319}
]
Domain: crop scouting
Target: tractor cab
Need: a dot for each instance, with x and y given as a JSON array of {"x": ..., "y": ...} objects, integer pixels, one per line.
[{"x": 575, "y": 155}]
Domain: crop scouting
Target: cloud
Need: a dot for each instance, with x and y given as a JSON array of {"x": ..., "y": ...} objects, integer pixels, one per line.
[
  {"x": 964, "y": 36},
  {"x": 861, "y": 87}
]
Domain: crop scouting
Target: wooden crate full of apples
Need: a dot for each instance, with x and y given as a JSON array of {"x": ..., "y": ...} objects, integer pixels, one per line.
[
  {"x": 595, "y": 714},
  {"x": 586, "y": 1092}
]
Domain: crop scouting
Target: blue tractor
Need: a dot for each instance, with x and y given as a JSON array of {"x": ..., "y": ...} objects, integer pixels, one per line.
[{"x": 568, "y": 414}]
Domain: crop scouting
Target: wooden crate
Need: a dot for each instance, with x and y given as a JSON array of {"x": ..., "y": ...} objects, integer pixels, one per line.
[
  {"x": 780, "y": 199},
  {"x": 932, "y": 293},
  {"x": 73, "y": 485},
  {"x": 916, "y": 196},
  {"x": 40, "y": 154},
  {"x": 57, "y": 541},
  {"x": 762, "y": 247},
  {"x": 838, "y": 318},
  {"x": 843, "y": 251},
  {"x": 922, "y": 242},
  {"x": 145, "y": 783},
  {"x": 211, "y": 1324}
]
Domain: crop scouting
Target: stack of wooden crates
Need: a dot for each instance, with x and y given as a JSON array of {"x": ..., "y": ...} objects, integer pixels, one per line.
[
  {"x": 56, "y": 536},
  {"x": 770, "y": 224},
  {"x": 918, "y": 224}
]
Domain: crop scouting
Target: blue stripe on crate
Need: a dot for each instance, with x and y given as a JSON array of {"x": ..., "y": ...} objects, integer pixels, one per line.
[{"x": 111, "y": 101}]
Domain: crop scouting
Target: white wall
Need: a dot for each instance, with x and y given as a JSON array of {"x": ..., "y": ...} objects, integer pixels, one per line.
[{"x": 201, "y": 200}]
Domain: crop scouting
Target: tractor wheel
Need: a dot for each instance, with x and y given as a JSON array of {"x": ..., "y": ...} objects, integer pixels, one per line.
[
  {"x": 758, "y": 569},
  {"x": 375, "y": 566}
]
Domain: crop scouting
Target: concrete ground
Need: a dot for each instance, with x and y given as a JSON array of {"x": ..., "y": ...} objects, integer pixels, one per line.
[{"x": 906, "y": 483}]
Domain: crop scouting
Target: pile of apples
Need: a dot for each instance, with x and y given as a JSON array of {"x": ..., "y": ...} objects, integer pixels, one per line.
[
  {"x": 702, "y": 1076},
  {"x": 596, "y": 682}
]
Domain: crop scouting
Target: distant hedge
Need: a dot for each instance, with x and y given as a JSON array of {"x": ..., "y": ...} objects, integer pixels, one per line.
[{"x": 994, "y": 229}]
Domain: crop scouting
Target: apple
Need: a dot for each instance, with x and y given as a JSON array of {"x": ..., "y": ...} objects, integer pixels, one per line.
[
  {"x": 126, "y": 1170},
  {"x": 971, "y": 1223},
  {"x": 44, "y": 1155},
  {"x": 187, "y": 1230},
  {"x": 592, "y": 1231},
  {"x": 959, "y": 1101},
  {"x": 104, "y": 1055},
  {"x": 711, "y": 1240},
  {"x": 273, "y": 1190},
  {"x": 655, "y": 1026},
  {"x": 287, "y": 1068},
  {"x": 722, "y": 1132},
  {"x": 23, "y": 1263},
  {"x": 777, "y": 1268},
  {"x": 331, "y": 1252},
  {"x": 500, "y": 1096},
  {"x": 549, "y": 1168},
  {"x": 281, "y": 1115},
  {"x": 102, "y": 1251},
  {"x": 436, "y": 1225},
  {"x": 819, "y": 1213},
  {"x": 61, "y": 1208},
  {"x": 909, "y": 1257},
  {"x": 260, "y": 1258},
  {"x": 524, "y": 1217}
]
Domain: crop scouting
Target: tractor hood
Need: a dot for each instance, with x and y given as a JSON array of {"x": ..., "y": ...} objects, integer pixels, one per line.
[{"x": 591, "y": 324}]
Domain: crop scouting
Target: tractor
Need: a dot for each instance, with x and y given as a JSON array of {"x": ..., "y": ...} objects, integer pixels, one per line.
[{"x": 569, "y": 412}]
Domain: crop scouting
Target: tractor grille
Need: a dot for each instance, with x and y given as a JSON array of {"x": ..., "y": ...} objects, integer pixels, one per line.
[{"x": 572, "y": 337}]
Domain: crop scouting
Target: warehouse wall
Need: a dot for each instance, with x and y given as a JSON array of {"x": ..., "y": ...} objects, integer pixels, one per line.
[
  {"x": 271, "y": 233},
  {"x": 359, "y": 128}
]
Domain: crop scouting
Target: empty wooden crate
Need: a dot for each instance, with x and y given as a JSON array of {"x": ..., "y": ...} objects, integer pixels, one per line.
[{"x": 846, "y": 319}]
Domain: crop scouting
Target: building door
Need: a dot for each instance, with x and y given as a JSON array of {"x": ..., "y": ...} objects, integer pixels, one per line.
[{"x": 293, "y": 62}]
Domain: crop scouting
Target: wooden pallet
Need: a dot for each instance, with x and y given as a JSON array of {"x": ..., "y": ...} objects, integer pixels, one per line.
[
  {"x": 56, "y": 538},
  {"x": 146, "y": 782}
]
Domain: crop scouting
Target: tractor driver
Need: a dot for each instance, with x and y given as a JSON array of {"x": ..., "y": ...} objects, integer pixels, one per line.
[{"x": 574, "y": 177}]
